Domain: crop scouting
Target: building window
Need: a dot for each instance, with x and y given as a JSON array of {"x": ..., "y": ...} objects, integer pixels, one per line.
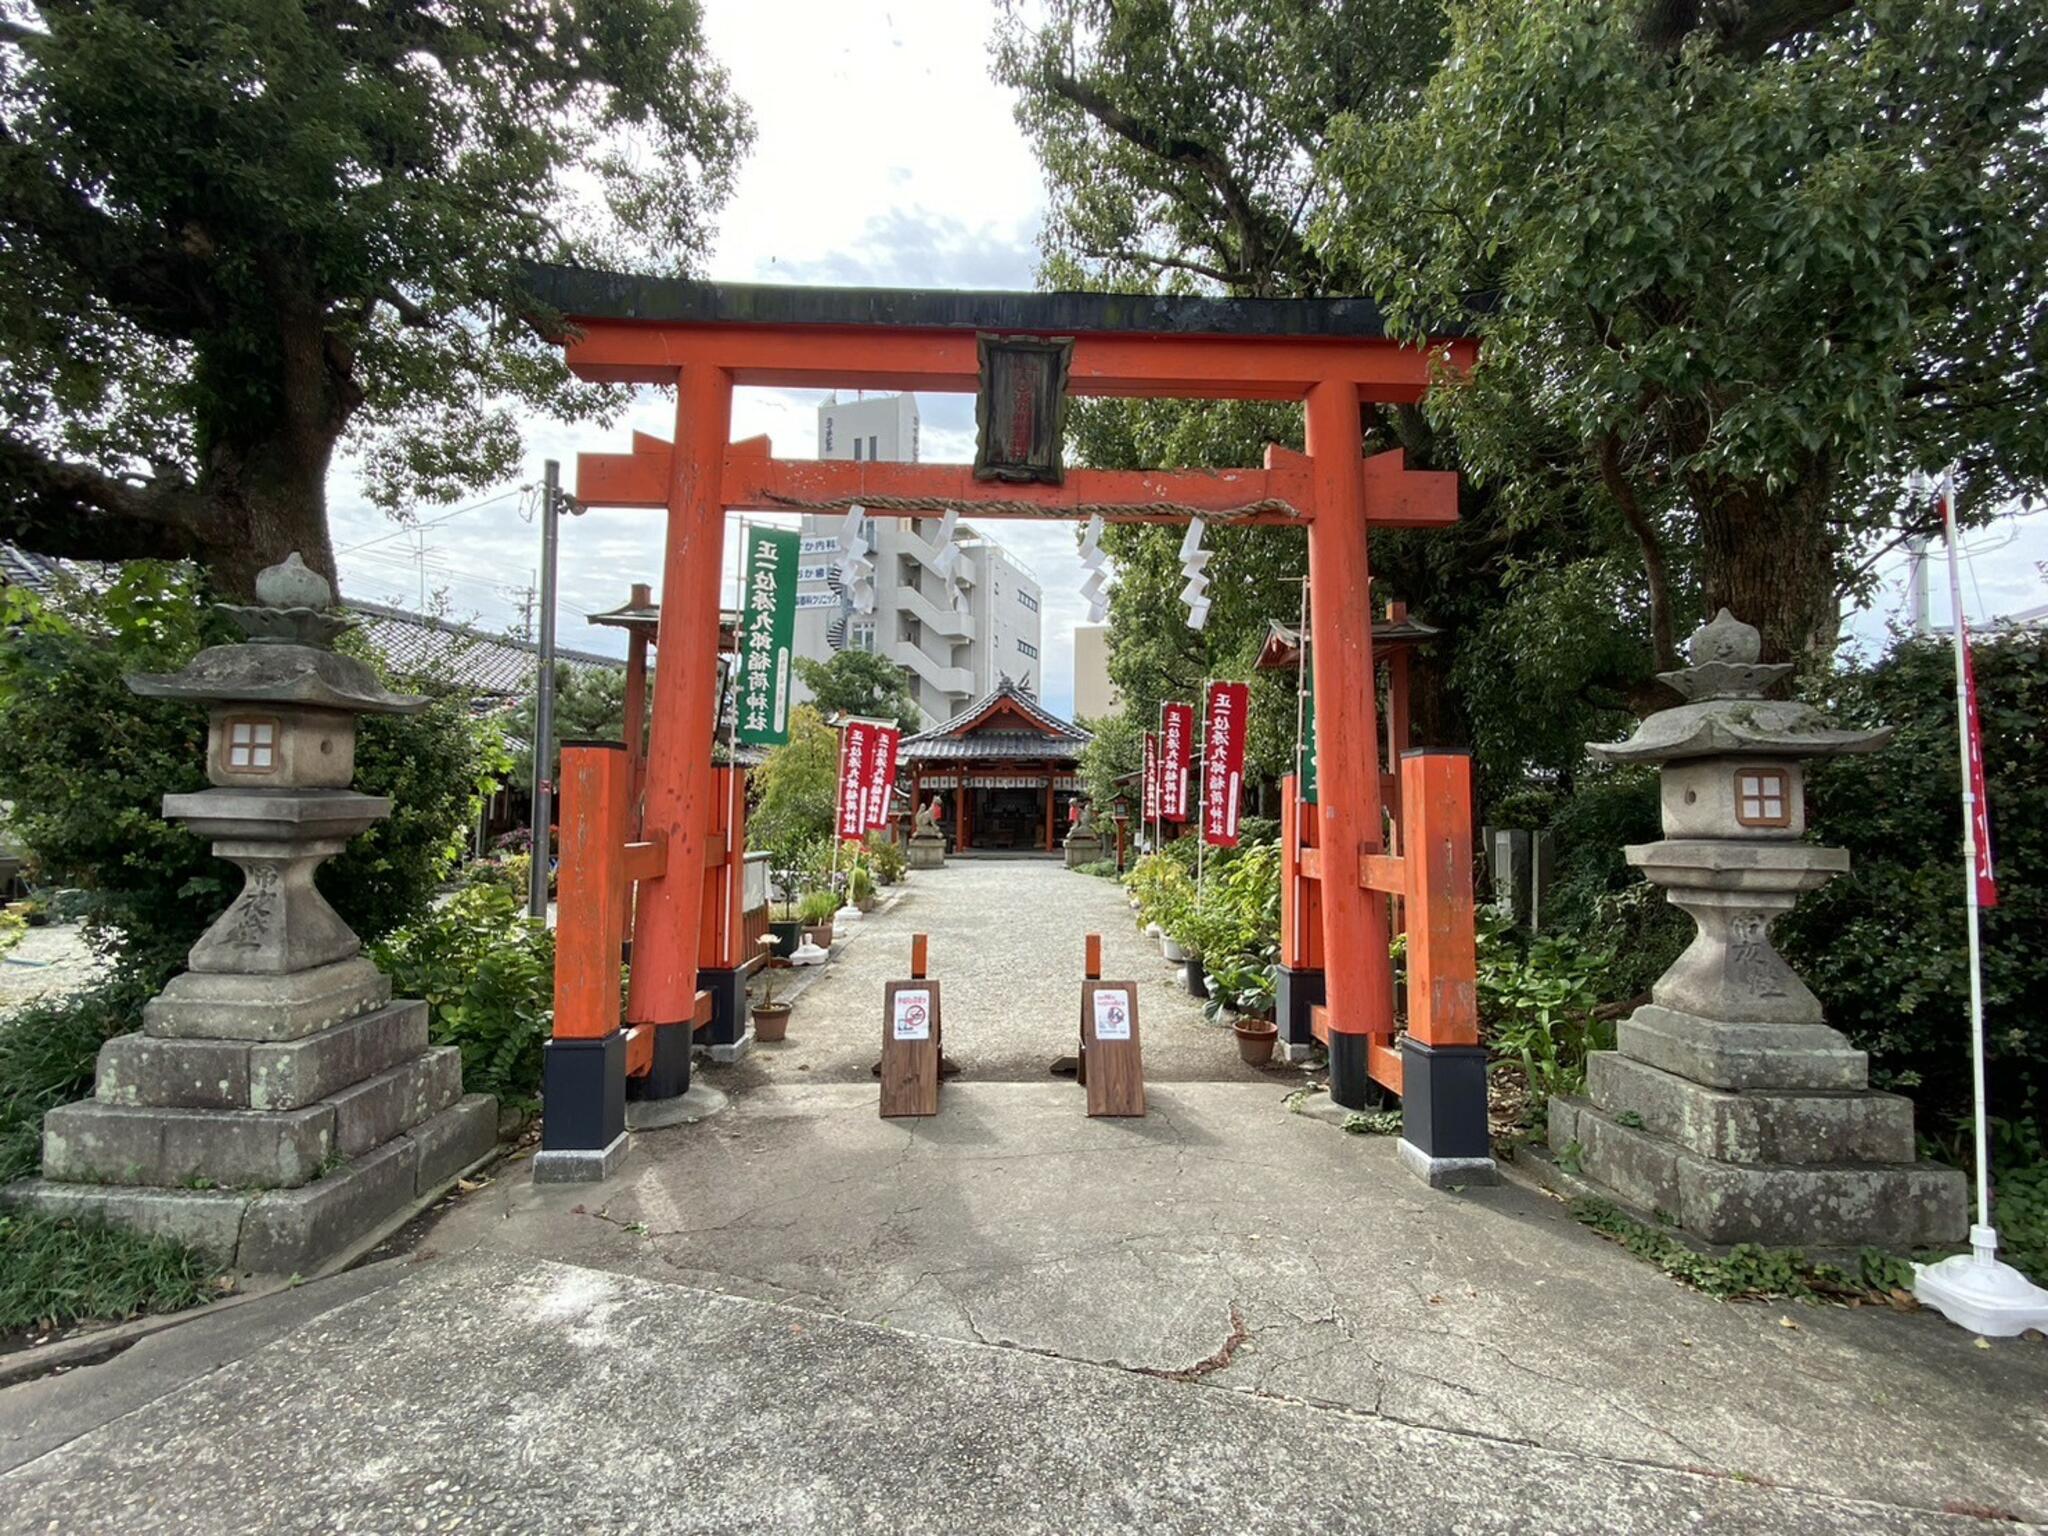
[
  {"x": 871, "y": 450},
  {"x": 856, "y": 450},
  {"x": 252, "y": 744},
  {"x": 1027, "y": 600},
  {"x": 828, "y": 434},
  {"x": 863, "y": 637},
  {"x": 1028, "y": 648},
  {"x": 1762, "y": 798}
]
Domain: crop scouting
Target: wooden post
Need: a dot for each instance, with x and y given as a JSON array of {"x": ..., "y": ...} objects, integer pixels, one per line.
[
  {"x": 911, "y": 1041},
  {"x": 590, "y": 891},
  {"x": 681, "y": 787},
  {"x": 1445, "y": 1138},
  {"x": 583, "y": 1067},
  {"x": 1358, "y": 974}
]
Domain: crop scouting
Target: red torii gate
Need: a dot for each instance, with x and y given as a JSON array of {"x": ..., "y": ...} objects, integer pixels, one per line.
[{"x": 705, "y": 339}]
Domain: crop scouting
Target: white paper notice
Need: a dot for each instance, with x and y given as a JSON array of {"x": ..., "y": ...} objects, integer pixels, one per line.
[
  {"x": 914, "y": 1015},
  {"x": 1112, "y": 1015}
]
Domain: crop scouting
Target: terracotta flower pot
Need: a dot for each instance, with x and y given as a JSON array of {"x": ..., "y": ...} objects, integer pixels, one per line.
[
  {"x": 820, "y": 935},
  {"x": 771, "y": 1021},
  {"x": 1255, "y": 1040}
]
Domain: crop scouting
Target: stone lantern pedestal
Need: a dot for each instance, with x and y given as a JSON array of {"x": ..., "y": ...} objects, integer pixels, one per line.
[
  {"x": 927, "y": 848},
  {"x": 278, "y": 1104},
  {"x": 1729, "y": 1105},
  {"x": 1084, "y": 840}
]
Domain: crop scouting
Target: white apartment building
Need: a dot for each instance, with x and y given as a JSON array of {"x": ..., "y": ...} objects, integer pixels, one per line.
[{"x": 951, "y": 657}]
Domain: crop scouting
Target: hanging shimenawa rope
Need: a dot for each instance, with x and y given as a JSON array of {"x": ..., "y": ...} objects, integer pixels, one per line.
[{"x": 1110, "y": 511}]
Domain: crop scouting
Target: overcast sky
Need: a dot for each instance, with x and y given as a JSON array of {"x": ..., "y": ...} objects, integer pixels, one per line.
[{"x": 884, "y": 155}]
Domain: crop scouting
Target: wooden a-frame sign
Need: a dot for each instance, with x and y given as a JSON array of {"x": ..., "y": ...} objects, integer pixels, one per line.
[
  {"x": 910, "y": 1041},
  {"x": 1113, "y": 1066}
]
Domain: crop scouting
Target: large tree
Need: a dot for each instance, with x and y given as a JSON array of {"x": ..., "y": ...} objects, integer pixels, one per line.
[
  {"x": 862, "y": 684},
  {"x": 237, "y": 234},
  {"x": 1750, "y": 277}
]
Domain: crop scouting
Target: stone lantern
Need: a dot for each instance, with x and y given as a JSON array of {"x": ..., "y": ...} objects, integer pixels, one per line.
[
  {"x": 278, "y": 1104},
  {"x": 1729, "y": 1104}
]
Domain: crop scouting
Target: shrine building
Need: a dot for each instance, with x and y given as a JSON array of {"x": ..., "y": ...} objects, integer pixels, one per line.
[{"x": 1005, "y": 771}]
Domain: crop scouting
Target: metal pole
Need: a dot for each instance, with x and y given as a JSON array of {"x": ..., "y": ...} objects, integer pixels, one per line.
[
  {"x": 544, "y": 696},
  {"x": 1983, "y": 1237}
]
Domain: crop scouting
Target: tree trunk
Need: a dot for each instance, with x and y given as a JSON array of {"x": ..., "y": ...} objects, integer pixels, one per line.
[
  {"x": 1768, "y": 558},
  {"x": 271, "y": 500}
]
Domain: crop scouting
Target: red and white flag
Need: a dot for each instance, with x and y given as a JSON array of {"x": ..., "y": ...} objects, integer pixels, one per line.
[
  {"x": 856, "y": 748},
  {"x": 881, "y": 775},
  {"x": 1223, "y": 761},
  {"x": 1176, "y": 752},
  {"x": 1973, "y": 731}
]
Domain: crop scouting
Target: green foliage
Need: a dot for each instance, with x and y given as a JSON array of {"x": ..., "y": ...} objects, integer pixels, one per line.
[
  {"x": 1165, "y": 890},
  {"x": 886, "y": 858},
  {"x": 815, "y": 909},
  {"x": 1536, "y": 1006},
  {"x": 93, "y": 761},
  {"x": 1884, "y": 946},
  {"x": 1376, "y": 1122},
  {"x": 233, "y": 232},
  {"x": 487, "y": 972},
  {"x": 1739, "y": 290},
  {"x": 1749, "y": 1271},
  {"x": 862, "y": 684},
  {"x": 796, "y": 790},
  {"x": 2022, "y": 1217},
  {"x": 1115, "y": 750},
  {"x": 1104, "y": 869},
  {"x": 590, "y": 705},
  {"x": 57, "y": 1271},
  {"x": 48, "y": 1051},
  {"x": 1235, "y": 927}
]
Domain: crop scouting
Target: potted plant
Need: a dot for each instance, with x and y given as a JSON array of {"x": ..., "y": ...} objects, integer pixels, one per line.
[
  {"x": 771, "y": 1019},
  {"x": 786, "y": 928},
  {"x": 860, "y": 888},
  {"x": 814, "y": 912},
  {"x": 1255, "y": 1040}
]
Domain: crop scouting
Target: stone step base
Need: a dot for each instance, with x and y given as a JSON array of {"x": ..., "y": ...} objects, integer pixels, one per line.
[
  {"x": 1733, "y": 1055},
  {"x": 1754, "y": 1125},
  {"x": 171, "y": 1073},
  {"x": 245, "y": 1149},
  {"x": 289, "y": 1231},
  {"x": 1900, "y": 1206},
  {"x": 197, "y": 1006}
]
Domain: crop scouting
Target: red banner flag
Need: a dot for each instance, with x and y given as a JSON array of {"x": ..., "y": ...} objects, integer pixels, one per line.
[
  {"x": 856, "y": 747},
  {"x": 1980, "y": 811},
  {"x": 1176, "y": 751},
  {"x": 1151, "y": 777},
  {"x": 1223, "y": 761},
  {"x": 881, "y": 775}
]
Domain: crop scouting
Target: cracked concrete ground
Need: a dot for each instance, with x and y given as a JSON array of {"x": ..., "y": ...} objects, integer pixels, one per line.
[{"x": 1222, "y": 1317}]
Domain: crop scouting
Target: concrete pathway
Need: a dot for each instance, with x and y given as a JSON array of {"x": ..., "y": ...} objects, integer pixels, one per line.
[
  {"x": 1006, "y": 945},
  {"x": 1223, "y": 1317}
]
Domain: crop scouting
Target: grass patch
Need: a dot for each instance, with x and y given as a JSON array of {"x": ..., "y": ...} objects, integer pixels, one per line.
[
  {"x": 1749, "y": 1270},
  {"x": 47, "y": 1052},
  {"x": 1375, "y": 1122},
  {"x": 57, "y": 1271}
]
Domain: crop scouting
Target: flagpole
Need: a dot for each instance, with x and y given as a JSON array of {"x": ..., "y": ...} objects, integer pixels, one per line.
[
  {"x": 1975, "y": 1290},
  {"x": 1987, "y": 1243}
]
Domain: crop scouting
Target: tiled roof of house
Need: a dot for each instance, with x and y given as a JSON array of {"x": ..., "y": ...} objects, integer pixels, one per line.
[{"x": 415, "y": 645}]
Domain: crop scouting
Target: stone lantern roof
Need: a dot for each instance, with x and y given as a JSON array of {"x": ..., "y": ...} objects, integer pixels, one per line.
[
  {"x": 288, "y": 658},
  {"x": 1727, "y": 714}
]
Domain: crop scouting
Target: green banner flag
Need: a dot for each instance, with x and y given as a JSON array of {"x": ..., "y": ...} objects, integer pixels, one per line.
[{"x": 767, "y": 634}]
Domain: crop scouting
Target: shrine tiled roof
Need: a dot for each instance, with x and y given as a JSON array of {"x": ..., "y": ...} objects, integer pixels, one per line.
[{"x": 964, "y": 739}]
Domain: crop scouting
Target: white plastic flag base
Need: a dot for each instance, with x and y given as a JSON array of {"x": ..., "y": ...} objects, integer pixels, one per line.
[
  {"x": 808, "y": 953},
  {"x": 1975, "y": 1291},
  {"x": 847, "y": 914}
]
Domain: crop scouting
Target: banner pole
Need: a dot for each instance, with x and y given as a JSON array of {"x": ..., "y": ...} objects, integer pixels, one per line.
[
  {"x": 1960, "y": 631},
  {"x": 1975, "y": 1290}
]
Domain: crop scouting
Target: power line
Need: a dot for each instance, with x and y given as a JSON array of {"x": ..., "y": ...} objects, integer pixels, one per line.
[{"x": 431, "y": 522}]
